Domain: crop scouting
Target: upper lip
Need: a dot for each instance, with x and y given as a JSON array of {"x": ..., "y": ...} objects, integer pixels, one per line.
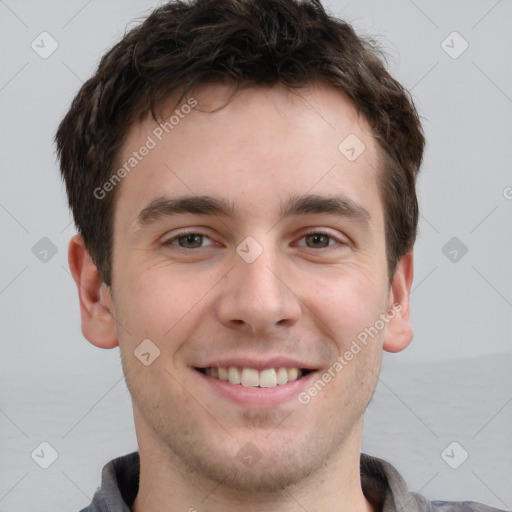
[{"x": 258, "y": 363}]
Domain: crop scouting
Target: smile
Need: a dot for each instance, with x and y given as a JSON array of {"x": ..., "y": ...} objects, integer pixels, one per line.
[{"x": 252, "y": 377}]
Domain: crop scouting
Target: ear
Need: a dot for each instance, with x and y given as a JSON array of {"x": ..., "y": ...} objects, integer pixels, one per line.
[
  {"x": 399, "y": 331},
  {"x": 96, "y": 308}
]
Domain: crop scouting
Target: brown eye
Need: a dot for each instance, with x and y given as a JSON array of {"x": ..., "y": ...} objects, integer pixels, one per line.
[
  {"x": 191, "y": 241},
  {"x": 317, "y": 240}
]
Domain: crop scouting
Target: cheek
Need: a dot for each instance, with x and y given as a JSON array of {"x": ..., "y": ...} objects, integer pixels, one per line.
[
  {"x": 348, "y": 302},
  {"x": 152, "y": 302}
]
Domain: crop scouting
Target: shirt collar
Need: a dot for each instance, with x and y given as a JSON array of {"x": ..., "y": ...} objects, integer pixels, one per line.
[{"x": 383, "y": 486}]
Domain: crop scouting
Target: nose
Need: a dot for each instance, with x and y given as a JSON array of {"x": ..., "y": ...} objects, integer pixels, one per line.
[{"x": 257, "y": 298}]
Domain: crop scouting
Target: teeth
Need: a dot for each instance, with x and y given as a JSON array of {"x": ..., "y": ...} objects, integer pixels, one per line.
[
  {"x": 250, "y": 377},
  {"x": 234, "y": 375},
  {"x": 282, "y": 376},
  {"x": 268, "y": 378},
  {"x": 293, "y": 374}
]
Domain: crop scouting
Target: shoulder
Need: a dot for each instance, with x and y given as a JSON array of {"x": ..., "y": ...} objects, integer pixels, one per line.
[
  {"x": 384, "y": 486},
  {"x": 119, "y": 485},
  {"x": 462, "y": 506}
]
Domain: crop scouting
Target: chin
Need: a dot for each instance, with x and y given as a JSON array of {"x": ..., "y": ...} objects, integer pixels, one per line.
[
  {"x": 272, "y": 465},
  {"x": 267, "y": 480},
  {"x": 265, "y": 476}
]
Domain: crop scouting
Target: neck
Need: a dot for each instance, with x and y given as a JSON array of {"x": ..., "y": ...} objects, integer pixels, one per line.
[{"x": 166, "y": 485}]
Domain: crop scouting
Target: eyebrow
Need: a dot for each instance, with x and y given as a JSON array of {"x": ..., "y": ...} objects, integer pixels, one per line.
[{"x": 163, "y": 207}]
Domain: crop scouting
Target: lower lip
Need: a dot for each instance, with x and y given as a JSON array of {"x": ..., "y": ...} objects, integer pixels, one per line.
[{"x": 256, "y": 396}]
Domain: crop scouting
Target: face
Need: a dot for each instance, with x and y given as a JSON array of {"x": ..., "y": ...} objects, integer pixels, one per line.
[{"x": 248, "y": 246}]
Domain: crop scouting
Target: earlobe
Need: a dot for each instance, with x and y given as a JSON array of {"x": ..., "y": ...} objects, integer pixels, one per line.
[
  {"x": 96, "y": 307},
  {"x": 399, "y": 331}
]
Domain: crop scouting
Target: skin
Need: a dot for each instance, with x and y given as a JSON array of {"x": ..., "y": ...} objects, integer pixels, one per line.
[{"x": 302, "y": 298}]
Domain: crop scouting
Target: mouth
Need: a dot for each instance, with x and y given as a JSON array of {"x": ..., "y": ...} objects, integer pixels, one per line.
[{"x": 253, "y": 377}]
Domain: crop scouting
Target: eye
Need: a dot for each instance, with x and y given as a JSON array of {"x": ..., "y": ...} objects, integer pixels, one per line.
[
  {"x": 318, "y": 240},
  {"x": 189, "y": 240}
]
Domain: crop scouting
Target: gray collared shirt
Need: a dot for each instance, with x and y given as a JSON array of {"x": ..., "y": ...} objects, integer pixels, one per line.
[{"x": 381, "y": 483}]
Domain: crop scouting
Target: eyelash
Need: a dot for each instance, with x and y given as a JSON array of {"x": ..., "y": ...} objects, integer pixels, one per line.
[{"x": 170, "y": 241}]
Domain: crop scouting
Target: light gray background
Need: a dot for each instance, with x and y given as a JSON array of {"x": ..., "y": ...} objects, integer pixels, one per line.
[{"x": 452, "y": 384}]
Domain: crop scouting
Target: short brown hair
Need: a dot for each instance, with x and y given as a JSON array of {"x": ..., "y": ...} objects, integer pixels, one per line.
[{"x": 245, "y": 43}]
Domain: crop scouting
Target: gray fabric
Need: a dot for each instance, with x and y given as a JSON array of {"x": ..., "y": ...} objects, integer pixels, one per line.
[{"x": 381, "y": 483}]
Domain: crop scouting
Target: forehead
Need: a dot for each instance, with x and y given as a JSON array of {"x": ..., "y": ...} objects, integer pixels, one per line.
[{"x": 257, "y": 150}]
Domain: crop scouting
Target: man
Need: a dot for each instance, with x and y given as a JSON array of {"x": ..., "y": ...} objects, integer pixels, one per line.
[{"x": 242, "y": 177}]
